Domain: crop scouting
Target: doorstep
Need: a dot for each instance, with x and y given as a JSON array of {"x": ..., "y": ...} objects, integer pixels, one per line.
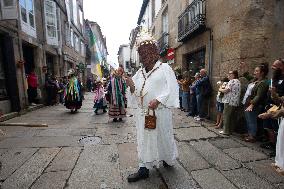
[{"x": 11, "y": 115}]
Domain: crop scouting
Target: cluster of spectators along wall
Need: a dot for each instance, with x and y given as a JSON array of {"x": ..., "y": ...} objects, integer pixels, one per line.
[{"x": 246, "y": 103}]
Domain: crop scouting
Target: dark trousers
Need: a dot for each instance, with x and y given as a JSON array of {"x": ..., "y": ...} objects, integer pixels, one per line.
[{"x": 32, "y": 94}]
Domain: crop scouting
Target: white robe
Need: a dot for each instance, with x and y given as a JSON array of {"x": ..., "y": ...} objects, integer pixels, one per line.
[
  {"x": 158, "y": 144},
  {"x": 279, "y": 158}
]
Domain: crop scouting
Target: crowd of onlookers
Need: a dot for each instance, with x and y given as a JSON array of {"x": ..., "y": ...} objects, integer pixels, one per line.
[{"x": 245, "y": 102}]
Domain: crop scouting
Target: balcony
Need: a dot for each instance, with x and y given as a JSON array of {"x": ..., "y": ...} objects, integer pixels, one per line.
[
  {"x": 192, "y": 20},
  {"x": 163, "y": 42}
]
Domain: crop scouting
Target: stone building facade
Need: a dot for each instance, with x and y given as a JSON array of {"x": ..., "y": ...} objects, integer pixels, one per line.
[
  {"x": 123, "y": 56},
  {"x": 44, "y": 35},
  {"x": 217, "y": 34}
]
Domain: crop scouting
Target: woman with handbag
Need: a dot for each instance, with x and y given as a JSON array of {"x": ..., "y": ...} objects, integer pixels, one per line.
[
  {"x": 153, "y": 88},
  {"x": 255, "y": 102}
]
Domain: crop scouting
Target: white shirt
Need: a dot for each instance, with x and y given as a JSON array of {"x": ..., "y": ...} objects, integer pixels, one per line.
[
  {"x": 233, "y": 96},
  {"x": 248, "y": 92}
]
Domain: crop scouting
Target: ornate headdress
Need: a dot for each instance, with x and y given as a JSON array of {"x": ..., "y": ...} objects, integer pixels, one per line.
[
  {"x": 145, "y": 38},
  {"x": 71, "y": 72}
]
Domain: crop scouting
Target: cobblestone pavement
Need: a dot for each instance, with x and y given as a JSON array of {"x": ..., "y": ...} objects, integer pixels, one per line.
[{"x": 65, "y": 154}]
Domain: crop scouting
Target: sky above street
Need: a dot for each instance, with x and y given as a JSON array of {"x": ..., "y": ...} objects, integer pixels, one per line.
[{"x": 116, "y": 18}]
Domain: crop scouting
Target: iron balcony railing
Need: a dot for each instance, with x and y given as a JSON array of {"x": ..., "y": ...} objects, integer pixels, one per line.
[
  {"x": 191, "y": 19},
  {"x": 163, "y": 42}
]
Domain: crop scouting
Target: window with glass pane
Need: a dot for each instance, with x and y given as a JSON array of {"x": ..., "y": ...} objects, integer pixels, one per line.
[
  {"x": 50, "y": 17},
  {"x": 8, "y": 3},
  {"x": 72, "y": 38}
]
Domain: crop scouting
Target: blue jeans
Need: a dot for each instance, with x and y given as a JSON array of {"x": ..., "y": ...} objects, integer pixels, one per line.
[
  {"x": 185, "y": 99},
  {"x": 251, "y": 119}
]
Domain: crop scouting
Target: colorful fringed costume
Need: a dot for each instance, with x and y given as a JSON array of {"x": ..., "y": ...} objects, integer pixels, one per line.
[
  {"x": 73, "y": 94},
  {"x": 99, "y": 100},
  {"x": 117, "y": 103}
]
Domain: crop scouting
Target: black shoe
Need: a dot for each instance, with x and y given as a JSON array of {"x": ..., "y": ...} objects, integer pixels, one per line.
[
  {"x": 114, "y": 120},
  {"x": 166, "y": 165},
  {"x": 120, "y": 119},
  {"x": 142, "y": 173},
  {"x": 104, "y": 111}
]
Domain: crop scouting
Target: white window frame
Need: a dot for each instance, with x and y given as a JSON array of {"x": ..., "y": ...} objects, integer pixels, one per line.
[
  {"x": 26, "y": 26},
  {"x": 72, "y": 37},
  {"x": 51, "y": 40},
  {"x": 75, "y": 12},
  {"x": 67, "y": 34},
  {"x": 76, "y": 43},
  {"x": 82, "y": 48},
  {"x": 9, "y": 12}
]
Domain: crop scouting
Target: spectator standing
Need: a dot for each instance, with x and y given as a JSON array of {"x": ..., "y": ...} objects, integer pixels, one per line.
[
  {"x": 255, "y": 102},
  {"x": 192, "y": 96},
  {"x": 219, "y": 102},
  {"x": 231, "y": 102},
  {"x": 32, "y": 87},
  {"x": 203, "y": 90},
  {"x": 185, "y": 91}
]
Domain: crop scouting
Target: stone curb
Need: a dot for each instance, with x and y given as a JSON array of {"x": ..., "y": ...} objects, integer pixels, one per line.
[{"x": 11, "y": 115}]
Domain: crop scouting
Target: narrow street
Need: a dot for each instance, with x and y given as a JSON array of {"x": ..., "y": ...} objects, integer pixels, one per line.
[{"x": 67, "y": 155}]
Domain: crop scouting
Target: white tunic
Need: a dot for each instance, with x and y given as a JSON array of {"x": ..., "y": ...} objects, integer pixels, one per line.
[
  {"x": 279, "y": 159},
  {"x": 158, "y": 144}
]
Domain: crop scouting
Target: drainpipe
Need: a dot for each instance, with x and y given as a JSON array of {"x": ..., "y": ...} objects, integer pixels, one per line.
[
  {"x": 210, "y": 53},
  {"x": 210, "y": 66}
]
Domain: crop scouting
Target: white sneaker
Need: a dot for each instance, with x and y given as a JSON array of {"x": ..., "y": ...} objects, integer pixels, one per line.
[
  {"x": 33, "y": 104},
  {"x": 196, "y": 117}
]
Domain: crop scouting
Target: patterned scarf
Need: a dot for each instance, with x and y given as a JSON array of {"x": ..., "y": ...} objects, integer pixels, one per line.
[{"x": 118, "y": 88}]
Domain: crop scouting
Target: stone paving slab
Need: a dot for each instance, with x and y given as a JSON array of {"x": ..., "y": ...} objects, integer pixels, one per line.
[
  {"x": 43, "y": 142},
  {"x": 52, "y": 180},
  {"x": 243, "y": 178},
  {"x": 13, "y": 159},
  {"x": 215, "y": 156},
  {"x": 264, "y": 170},
  {"x": 245, "y": 154},
  {"x": 190, "y": 159},
  {"x": 2, "y": 151},
  {"x": 193, "y": 133},
  {"x": 279, "y": 186},
  {"x": 97, "y": 167},
  {"x": 67, "y": 132},
  {"x": 128, "y": 158},
  {"x": 65, "y": 159},
  {"x": 225, "y": 143},
  {"x": 178, "y": 178},
  {"x": 117, "y": 135},
  {"x": 31, "y": 170},
  {"x": 212, "y": 179}
]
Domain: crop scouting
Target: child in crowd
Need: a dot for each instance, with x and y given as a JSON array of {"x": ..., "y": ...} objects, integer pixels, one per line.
[
  {"x": 219, "y": 103},
  {"x": 99, "y": 100}
]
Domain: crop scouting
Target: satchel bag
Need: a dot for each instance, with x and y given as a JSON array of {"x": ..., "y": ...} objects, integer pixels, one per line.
[{"x": 150, "y": 120}]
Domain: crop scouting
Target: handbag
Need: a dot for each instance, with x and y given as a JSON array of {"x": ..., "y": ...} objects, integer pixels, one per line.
[{"x": 150, "y": 120}]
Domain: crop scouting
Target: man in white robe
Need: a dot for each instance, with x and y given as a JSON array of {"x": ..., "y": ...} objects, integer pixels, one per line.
[{"x": 159, "y": 92}]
